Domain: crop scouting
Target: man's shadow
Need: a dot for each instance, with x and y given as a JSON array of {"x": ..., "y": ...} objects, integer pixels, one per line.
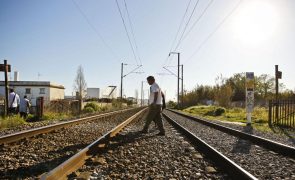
[{"x": 242, "y": 145}]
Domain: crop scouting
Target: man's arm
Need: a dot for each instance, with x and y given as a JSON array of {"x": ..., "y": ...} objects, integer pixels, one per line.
[{"x": 163, "y": 101}]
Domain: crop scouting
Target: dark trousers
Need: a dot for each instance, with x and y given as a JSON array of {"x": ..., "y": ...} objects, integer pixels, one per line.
[
  {"x": 154, "y": 114},
  {"x": 23, "y": 115},
  {"x": 12, "y": 110}
]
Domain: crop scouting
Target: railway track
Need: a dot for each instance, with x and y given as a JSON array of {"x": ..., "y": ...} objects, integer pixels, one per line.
[
  {"x": 263, "y": 158},
  {"x": 133, "y": 155},
  {"x": 27, "y": 154},
  {"x": 190, "y": 150},
  {"x": 13, "y": 137}
]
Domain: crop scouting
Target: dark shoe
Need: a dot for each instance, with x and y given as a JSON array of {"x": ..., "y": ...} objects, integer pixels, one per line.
[
  {"x": 161, "y": 134},
  {"x": 144, "y": 131}
]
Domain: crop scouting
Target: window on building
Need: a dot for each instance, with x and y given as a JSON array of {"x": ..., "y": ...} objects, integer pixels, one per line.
[
  {"x": 28, "y": 91},
  {"x": 42, "y": 90}
]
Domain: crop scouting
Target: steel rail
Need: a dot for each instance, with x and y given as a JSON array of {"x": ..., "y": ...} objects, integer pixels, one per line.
[
  {"x": 234, "y": 170},
  {"x": 9, "y": 138},
  {"x": 76, "y": 161},
  {"x": 266, "y": 143}
]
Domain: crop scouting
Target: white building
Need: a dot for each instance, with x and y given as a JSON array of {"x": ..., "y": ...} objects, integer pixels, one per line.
[
  {"x": 34, "y": 89},
  {"x": 93, "y": 93}
]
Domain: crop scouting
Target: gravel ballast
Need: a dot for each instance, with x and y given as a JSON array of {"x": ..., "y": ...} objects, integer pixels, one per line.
[
  {"x": 282, "y": 136},
  {"x": 30, "y": 158},
  {"x": 260, "y": 162},
  {"x": 134, "y": 155},
  {"x": 37, "y": 124}
]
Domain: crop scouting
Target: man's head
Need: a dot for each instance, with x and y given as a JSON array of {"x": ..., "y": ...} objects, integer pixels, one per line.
[
  {"x": 150, "y": 80},
  {"x": 11, "y": 90},
  {"x": 25, "y": 96}
]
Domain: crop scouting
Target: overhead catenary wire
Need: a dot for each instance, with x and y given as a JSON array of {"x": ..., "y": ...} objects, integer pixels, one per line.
[
  {"x": 95, "y": 30},
  {"x": 132, "y": 32},
  {"x": 179, "y": 27},
  {"x": 198, "y": 19},
  {"x": 127, "y": 33},
  {"x": 186, "y": 25},
  {"x": 214, "y": 31}
]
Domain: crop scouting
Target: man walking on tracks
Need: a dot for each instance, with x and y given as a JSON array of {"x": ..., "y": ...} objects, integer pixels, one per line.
[{"x": 155, "y": 105}]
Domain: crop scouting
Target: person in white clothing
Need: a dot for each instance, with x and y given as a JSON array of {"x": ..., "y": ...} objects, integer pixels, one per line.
[
  {"x": 24, "y": 107},
  {"x": 13, "y": 102},
  {"x": 155, "y": 107}
]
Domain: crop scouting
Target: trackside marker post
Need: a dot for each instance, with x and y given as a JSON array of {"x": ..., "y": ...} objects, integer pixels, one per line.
[{"x": 249, "y": 95}]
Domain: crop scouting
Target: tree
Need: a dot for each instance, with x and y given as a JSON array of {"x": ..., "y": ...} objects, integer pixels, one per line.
[
  {"x": 265, "y": 85},
  {"x": 223, "y": 91},
  {"x": 80, "y": 84},
  {"x": 237, "y": 83}
]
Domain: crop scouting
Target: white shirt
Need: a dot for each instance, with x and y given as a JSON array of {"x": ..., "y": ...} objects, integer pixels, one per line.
[
  {"x": 155, "y": 88},
  {"x": 13, "y": 97},
  {"x": 24, "y": 105}
]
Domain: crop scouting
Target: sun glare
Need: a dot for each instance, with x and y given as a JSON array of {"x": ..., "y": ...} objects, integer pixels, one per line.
[{"x": 255, "y": 22}]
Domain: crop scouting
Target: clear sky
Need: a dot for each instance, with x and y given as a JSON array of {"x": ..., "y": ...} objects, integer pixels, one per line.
[{"x": 53, "y": 38}]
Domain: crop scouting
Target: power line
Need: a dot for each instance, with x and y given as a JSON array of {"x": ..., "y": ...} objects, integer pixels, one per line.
[
  {"x": 186, "y": 25},
  {"x": 127, "y": 33},
  {"x": 214, "y": 31},
  {"x": 95, "y": 30},
  {"x": 132, "y": 32},
  {"x": 199, "y": 18},
  {"x": 180, "y": 25}
]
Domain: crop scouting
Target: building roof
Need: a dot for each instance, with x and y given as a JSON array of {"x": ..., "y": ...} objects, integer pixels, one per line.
[{"x": 33, "y": 83}]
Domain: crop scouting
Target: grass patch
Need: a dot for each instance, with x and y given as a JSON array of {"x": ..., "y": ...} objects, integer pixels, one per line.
[
  {"x": 55, "y": 116},
  {"x": 259, "y": 115},
  {"x": 11, "y": 121}
]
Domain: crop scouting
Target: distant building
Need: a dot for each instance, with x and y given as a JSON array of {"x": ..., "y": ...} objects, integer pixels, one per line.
[
  {"x": 93, "y": 93},
  {"x": 34, "y": 89}
]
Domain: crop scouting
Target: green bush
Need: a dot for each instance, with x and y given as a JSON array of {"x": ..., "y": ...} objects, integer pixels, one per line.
[
  {"x": 88, "y": 110},
  {"x": 172, "y": 104},
  {"x": 92, "y": 105},
  {"x": 117, "y": 103},
  {"x": 104, "y": 108},
  {"x": 219, "y": 111}
]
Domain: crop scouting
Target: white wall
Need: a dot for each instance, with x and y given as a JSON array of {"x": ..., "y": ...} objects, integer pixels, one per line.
[
  {"x": 93, "y": 93},
  {"x": 50, "y": 93},
  {"x": 56, "y": 93}
]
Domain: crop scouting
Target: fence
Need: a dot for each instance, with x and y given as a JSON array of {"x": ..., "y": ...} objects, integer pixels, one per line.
[
  {"x": 63, "y": 106},
  {"x": 282, "y": 113}
]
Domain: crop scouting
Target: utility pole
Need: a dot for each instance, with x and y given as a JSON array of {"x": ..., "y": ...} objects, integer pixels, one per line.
[
  {"x": 178, "y": 64},
  {"x": 121, "y": 92},
  {"x": 6, "y": 69},
  {"x": 178, "y": 75},
  {"x": 122, "y": 76},
  {"x": 142, "y": 97},
  {"x": 182, "y": 93},
  {"x": 278, "y": 75}
]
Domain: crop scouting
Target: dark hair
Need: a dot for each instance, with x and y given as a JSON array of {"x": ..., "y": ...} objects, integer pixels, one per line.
[
  {"x": 150, "y": 78},
  {"x": 11, "y": 90},
  {"x": 25, "y": 96}
]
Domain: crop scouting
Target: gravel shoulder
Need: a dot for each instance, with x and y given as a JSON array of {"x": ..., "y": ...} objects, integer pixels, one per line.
[
  {"x": 260, "y": 162},
  {"x": 133, "y": 155},
  {"x": 282, "y": 136},
  {"x": 30, "y": 158}
]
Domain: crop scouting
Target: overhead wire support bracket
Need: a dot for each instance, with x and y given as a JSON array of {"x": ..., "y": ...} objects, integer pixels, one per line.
[{"x": 133, "y": 71}]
